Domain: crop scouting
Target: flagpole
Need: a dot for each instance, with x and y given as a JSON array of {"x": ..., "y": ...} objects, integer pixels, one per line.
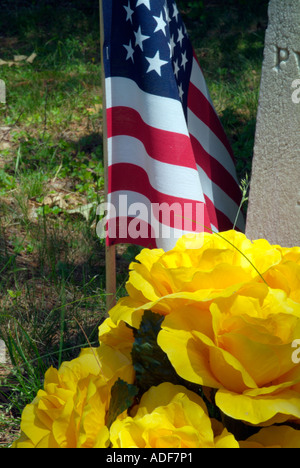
[{"x": 110, "y": 251}]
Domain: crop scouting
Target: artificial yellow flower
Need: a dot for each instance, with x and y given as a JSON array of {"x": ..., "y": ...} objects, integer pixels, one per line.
[
  {"x": 169, "y": 416},
  {"x": 119, "y": 337},
  {"x": 232, "y": 312},
  {"x": 274, "y": 437},
  {"x": 202, "y": 265},
  {"x": 243, "y": 347},
  {"x": 70, "y": 411},
  {"x": 285, "y": 276},
  {"x": 229, "y": 316}
]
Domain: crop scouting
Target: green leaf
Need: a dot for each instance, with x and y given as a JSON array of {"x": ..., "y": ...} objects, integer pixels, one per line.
[
  {"x": 151, "y": 363},
  {"x": 122, "y": 398}
]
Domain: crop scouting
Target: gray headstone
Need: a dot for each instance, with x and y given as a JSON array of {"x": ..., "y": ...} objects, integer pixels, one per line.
[
  {"x": 274, "y": 201},
  {"x": 2, "y": 92},
  {"x": 2, "y": 352}
]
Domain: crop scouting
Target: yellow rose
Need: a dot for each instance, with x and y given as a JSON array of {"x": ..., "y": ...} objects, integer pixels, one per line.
[
  {"x": 231, "y": 313},
  {"x": 169, "y": 416},
  {"x": 285, "y": 276},
  {"x": 274, "y": 437},
  {"x": 243, "y": 348},
  {"x": 119, "y": 337},
  {"x": 71, "y": 409},
  {"x": 202, "y": 265}
]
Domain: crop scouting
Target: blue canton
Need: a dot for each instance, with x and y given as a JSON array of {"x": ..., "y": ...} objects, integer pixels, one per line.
[{"x": 146, "y": 41}]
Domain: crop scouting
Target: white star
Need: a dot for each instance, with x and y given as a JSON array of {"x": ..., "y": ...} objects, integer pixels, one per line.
[
  {"x": 167, "y": 14},
  {"x": 176, "y": 12},
  {"x": 161, "y": 24},
  {"x": 172, "y": 45},
  {"x": 129, "y": 12},
  {"x": 144, "y": 2},
  {"x": 176, "y": 68},
  {"x": 180, "y": 36},
  {"x": 184, "y": 60},
  {"x": 155, "y": 63},
  {"x": 130, "y": 51},
  {"x": 139, "y": 38},
  {"x": 180, "y": 91}
]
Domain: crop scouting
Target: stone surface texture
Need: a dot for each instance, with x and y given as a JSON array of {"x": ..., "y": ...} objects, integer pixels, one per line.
[{"x": 274, "y": 202}]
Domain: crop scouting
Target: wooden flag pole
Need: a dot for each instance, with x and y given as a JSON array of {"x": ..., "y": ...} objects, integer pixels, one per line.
[{"x": 110, "y": 251}]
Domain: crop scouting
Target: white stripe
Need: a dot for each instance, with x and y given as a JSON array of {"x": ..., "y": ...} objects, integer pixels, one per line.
[
  {"x": 210, "y": 142},
  {"x": 159, "y": 112},
  {"x": 219, "y": 198},
  {"x": 198, "y": 80},
  {"x": 176, "y": 181},
  {"x": 139, "y": 207}
]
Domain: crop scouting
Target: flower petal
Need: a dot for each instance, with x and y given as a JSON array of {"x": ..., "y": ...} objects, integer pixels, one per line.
[
  {"x": 274, "y": 437},
  {"x": 257, "y": 410}
]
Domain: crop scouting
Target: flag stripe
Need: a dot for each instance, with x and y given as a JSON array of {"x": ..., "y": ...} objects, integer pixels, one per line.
[
  {"x": 219, "y": 199},
  {"x": 210, "y": 142},
  {"x": 164, "y": 234},
  {"x": 198, "y": 80},
  {"x": 215, "y": 172},
  {"x": 163, "y": 177},
  {"x": 156, "y": 111},
  {"x": 119, "y": 224},
  {"x": 162, "y": 239},
  {"x": 217, "y": 217},
  {"x": 197, "y": 91},
  {"x": 204, "y": 111},
  {"x": 164, "y": 146},
  {"x": 131, "y": 178}
]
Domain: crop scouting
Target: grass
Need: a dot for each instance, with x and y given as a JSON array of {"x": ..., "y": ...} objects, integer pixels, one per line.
[{"x": 52, "y": 265}]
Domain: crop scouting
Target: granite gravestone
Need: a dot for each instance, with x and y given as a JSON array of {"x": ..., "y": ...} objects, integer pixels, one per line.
[{"x": 274, "y": 201}]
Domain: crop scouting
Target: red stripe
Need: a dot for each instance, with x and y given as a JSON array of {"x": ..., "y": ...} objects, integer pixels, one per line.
[
  {"x": 216, "y": 172},
  {"x": 171, "y": 148},
  {"x": 164, "y": 146},
  {"x": 120, "y": 225},
  {"x": 128, "y": 177},
  {"x": 217, "y": 217},
  {"x": 203, "y": 109}
]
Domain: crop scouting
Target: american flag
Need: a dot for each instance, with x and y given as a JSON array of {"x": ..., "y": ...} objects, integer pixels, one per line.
[{"x": 166, "y": 146}]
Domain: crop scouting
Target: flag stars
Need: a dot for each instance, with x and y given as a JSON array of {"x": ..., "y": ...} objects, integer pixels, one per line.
[
  {"x": 176, "y": 68},
  {"x": 130, "y": 51},
  {"x": 180, "y": 36},
  {"x": 155, "y": 63},
  {"x": 175, "y": 36},
  {"x": 180, "y": 91},
  {"x": 144, "y": 2},
  {"x": 172, "y": 45},
  {"x": 161, "y": 24},
  {"x": 140, "y": 38},
  {"x": 175, "y": 12},
  {"x": 129, "y": 12},
  {"x": 184, "y": 60},
  {"x": 167, "y": 14}
]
